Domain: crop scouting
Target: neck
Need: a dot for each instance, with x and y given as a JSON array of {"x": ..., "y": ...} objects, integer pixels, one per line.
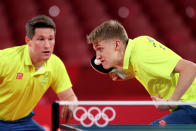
[
  {"x": 35, "y": 61},
  {"x": 38, "y": 65}
]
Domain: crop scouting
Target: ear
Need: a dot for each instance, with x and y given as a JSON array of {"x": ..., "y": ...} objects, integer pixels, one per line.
[
  {"x": 118, "y": 45},
  {"x": 27, "y": 39}
]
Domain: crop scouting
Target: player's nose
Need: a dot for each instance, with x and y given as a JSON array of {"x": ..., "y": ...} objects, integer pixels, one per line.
[
  {"x": 98, "y": 57},
  {"x": 46, "y": 44}
]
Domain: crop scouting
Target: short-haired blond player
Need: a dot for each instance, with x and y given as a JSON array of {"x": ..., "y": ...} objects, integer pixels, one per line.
[{"x": 164, "y": 74}]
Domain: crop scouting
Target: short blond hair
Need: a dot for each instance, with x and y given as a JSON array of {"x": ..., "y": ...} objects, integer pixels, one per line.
[{"x": 111, "y": 29}]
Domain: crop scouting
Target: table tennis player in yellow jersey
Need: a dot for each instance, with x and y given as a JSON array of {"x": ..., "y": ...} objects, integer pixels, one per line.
[
  {"x": 164, "y": 74},
  {"x": 27, "y": 72}
]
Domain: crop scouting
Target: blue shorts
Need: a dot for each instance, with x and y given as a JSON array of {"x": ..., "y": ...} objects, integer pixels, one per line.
[
  {"x": 182, "y": 115},
  {"x": 24, "y": 124}
]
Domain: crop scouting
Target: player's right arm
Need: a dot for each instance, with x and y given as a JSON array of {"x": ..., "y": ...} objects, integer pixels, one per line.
[{"x": 62, "y": 85}]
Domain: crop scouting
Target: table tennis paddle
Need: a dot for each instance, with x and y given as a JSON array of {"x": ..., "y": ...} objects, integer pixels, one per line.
[{"x": 99, "y": 68}]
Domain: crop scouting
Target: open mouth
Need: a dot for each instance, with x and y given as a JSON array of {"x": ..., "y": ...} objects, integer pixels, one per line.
[{"x": 46, "y": 52}]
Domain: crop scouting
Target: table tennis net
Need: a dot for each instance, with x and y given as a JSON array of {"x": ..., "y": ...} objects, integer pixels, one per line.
[{"x": 103, "y": 113}]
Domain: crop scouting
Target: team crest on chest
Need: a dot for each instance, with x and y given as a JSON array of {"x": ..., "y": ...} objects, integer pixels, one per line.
[
  {"x": 19, "y": 76},
  {"x": 44, "y": 80}
]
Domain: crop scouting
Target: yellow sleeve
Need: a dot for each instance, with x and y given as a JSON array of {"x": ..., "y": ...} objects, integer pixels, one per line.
[
  {"x": 61, "y": 80},
  {"x": 3, "y": 65},
  {"x": 154, "y": 58}
]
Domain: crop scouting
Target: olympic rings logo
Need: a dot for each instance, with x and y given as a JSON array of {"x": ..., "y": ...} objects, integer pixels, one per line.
[{"x": 94, "y": 118}]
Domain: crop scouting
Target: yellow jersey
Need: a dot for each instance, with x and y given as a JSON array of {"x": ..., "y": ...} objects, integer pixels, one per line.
[
  {"x": 21, "y": 86},
  {"x": 152, "y": 64}
]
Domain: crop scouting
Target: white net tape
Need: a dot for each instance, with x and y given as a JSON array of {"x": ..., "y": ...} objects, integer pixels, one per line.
[{"x": 126, "y": 103}]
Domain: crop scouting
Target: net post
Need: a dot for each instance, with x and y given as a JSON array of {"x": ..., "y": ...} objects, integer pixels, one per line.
[{"x": 55, "y": 116}]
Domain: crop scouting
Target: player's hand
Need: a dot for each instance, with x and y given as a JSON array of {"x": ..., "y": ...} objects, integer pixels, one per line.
[
  {"x": 67, "y": 113},
  {"x": 114, "y": 76},
  {"x": 161, "y": 107}
]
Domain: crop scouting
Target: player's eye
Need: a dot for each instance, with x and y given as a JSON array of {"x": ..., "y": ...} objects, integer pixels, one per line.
[
  {"x": 100, "y": 49},
  {"x": 50, "y": 39},
  {"x": 41, "y": 39}
]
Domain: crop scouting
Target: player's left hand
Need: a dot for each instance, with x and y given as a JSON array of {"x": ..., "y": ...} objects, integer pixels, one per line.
[{"x": 161, "y": 107}]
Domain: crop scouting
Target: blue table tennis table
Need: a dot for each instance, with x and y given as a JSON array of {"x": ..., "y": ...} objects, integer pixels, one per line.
[{"x": 185, "y": 127}]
